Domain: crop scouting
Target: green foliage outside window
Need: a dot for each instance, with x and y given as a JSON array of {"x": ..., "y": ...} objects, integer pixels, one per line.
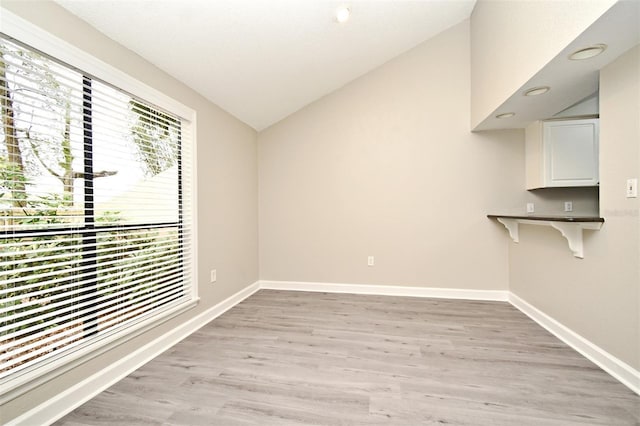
[{"x": 117, "y": 257}]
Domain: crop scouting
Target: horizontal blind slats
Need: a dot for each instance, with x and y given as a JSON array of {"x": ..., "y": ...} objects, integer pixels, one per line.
[
  {"x": 150, "y": 304},
  {"x": 79, "y": 277},
  {"x": 53, "y": 303},
  {"x": 79, "y": 242},
  {"x": 95, "y": 221},
  {"x": 141, "y": 247},
  {"x": 86, "y": 311},
  {"x": 108, "y": 227}
]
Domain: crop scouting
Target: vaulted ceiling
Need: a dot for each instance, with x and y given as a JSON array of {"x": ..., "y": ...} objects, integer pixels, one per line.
[{"x": 262, "y": 60}]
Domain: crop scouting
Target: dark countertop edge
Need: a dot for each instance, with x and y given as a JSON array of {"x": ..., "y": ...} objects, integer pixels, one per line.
[{"x": 550, "y": 218}]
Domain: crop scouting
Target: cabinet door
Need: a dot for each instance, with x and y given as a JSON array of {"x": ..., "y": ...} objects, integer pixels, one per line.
[{"x": 571, "y": 153}]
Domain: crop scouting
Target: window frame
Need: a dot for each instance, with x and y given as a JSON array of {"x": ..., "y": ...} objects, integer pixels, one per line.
[{"x": 29, "y": 34}]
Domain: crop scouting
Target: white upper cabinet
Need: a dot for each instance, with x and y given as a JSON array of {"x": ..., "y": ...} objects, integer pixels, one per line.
[{"x": 562, "y": 153}]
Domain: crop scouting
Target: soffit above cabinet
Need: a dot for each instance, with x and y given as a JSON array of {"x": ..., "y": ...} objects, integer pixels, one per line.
[
  {"x": 262, "y": 60},
  {"x": 571, "y": 81}
]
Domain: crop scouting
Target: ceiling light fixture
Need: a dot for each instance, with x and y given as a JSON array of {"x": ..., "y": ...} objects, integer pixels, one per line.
[
  {"x": 588, "y": 52},
  {"x": 506, "y": 115},
  {"x": 342, "y": 14},
  {"x": 535, "y": 91}
]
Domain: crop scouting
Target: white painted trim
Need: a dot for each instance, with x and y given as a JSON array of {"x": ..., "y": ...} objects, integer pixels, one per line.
[
  {"x": 63, "y": 403},
  {"x": 388, "y": 290},
  {"x": 193, "y": 198},
  {"x": 620, "y": 370}
]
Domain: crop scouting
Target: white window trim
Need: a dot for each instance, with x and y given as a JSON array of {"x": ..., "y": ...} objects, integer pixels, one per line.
[{"x": 22, "y": 30}]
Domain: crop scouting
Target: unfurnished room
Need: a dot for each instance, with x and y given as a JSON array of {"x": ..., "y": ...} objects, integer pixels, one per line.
[{"x": 319, "y": 212}]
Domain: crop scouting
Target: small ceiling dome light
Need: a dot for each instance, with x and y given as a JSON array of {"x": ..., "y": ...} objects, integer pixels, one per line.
[
  {"x": 342, "y": 14},
  {"x": 588, "y": 52},
  {"x": 506, "y": 115},
  {"x": 535, "y": 91}
]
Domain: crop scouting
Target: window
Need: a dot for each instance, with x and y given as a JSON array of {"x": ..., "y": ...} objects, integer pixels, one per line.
[{"x": 96, "y": 212}]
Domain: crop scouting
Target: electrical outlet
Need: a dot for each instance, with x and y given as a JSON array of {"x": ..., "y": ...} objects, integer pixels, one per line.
[
  {"x": 530, "y": 208},
  {"x": 214, "y": 275},
  {"x": 370, "y": 261},
  {"x": 568, "y": 206},
  {"x": 632, "y": 188}
]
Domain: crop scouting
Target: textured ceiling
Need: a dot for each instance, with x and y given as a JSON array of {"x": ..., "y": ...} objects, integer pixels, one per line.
[{"x": 262, "y": 60}]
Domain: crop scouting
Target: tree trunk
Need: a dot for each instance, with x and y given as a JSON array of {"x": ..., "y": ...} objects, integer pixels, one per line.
[
  {"x": 14, "y": 155},
  {"x": 67, "y": 157}
]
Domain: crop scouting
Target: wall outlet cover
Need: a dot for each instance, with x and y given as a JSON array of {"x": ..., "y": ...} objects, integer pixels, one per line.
[
  {"x": 530, "y": 208},
  {"x": 632, "y": 188}
]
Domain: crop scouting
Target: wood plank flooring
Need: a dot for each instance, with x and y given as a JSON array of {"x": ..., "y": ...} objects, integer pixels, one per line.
[{"x": 295, "y": 358}]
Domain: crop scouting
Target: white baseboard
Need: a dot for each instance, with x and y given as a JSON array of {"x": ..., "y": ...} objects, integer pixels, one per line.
[
  {"x": 388, "y": 290},
  {"x": 63, "y": 403},
  {"x": 53, "y": 409},
  {"x": 621, "y": 371}
]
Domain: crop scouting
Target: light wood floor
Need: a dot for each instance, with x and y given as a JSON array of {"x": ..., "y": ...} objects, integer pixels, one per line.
[{"x": 285, "y": 358}]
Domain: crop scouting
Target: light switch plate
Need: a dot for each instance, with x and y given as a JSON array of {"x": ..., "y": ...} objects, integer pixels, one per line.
[{"x": 632, "y": 188}]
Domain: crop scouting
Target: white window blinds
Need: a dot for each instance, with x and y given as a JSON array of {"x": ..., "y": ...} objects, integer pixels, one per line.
[{"x": 96, "y": 229}]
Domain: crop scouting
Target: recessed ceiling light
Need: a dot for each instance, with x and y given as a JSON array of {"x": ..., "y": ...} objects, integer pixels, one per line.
[
  {"x": 535, "y": 91},
  {"x": 506, "y": 115},
  {"x": 588, "y": 52},
  {"x": 342, "y": 14}
]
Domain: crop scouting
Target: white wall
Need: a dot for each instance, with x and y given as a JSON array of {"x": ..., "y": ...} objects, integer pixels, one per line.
[
  {"x": 386, "y": 166},
  {"x": 227, "y": 189},
  {"x": 598, "y": 297},
  {"x": 513, "y": 40}
]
